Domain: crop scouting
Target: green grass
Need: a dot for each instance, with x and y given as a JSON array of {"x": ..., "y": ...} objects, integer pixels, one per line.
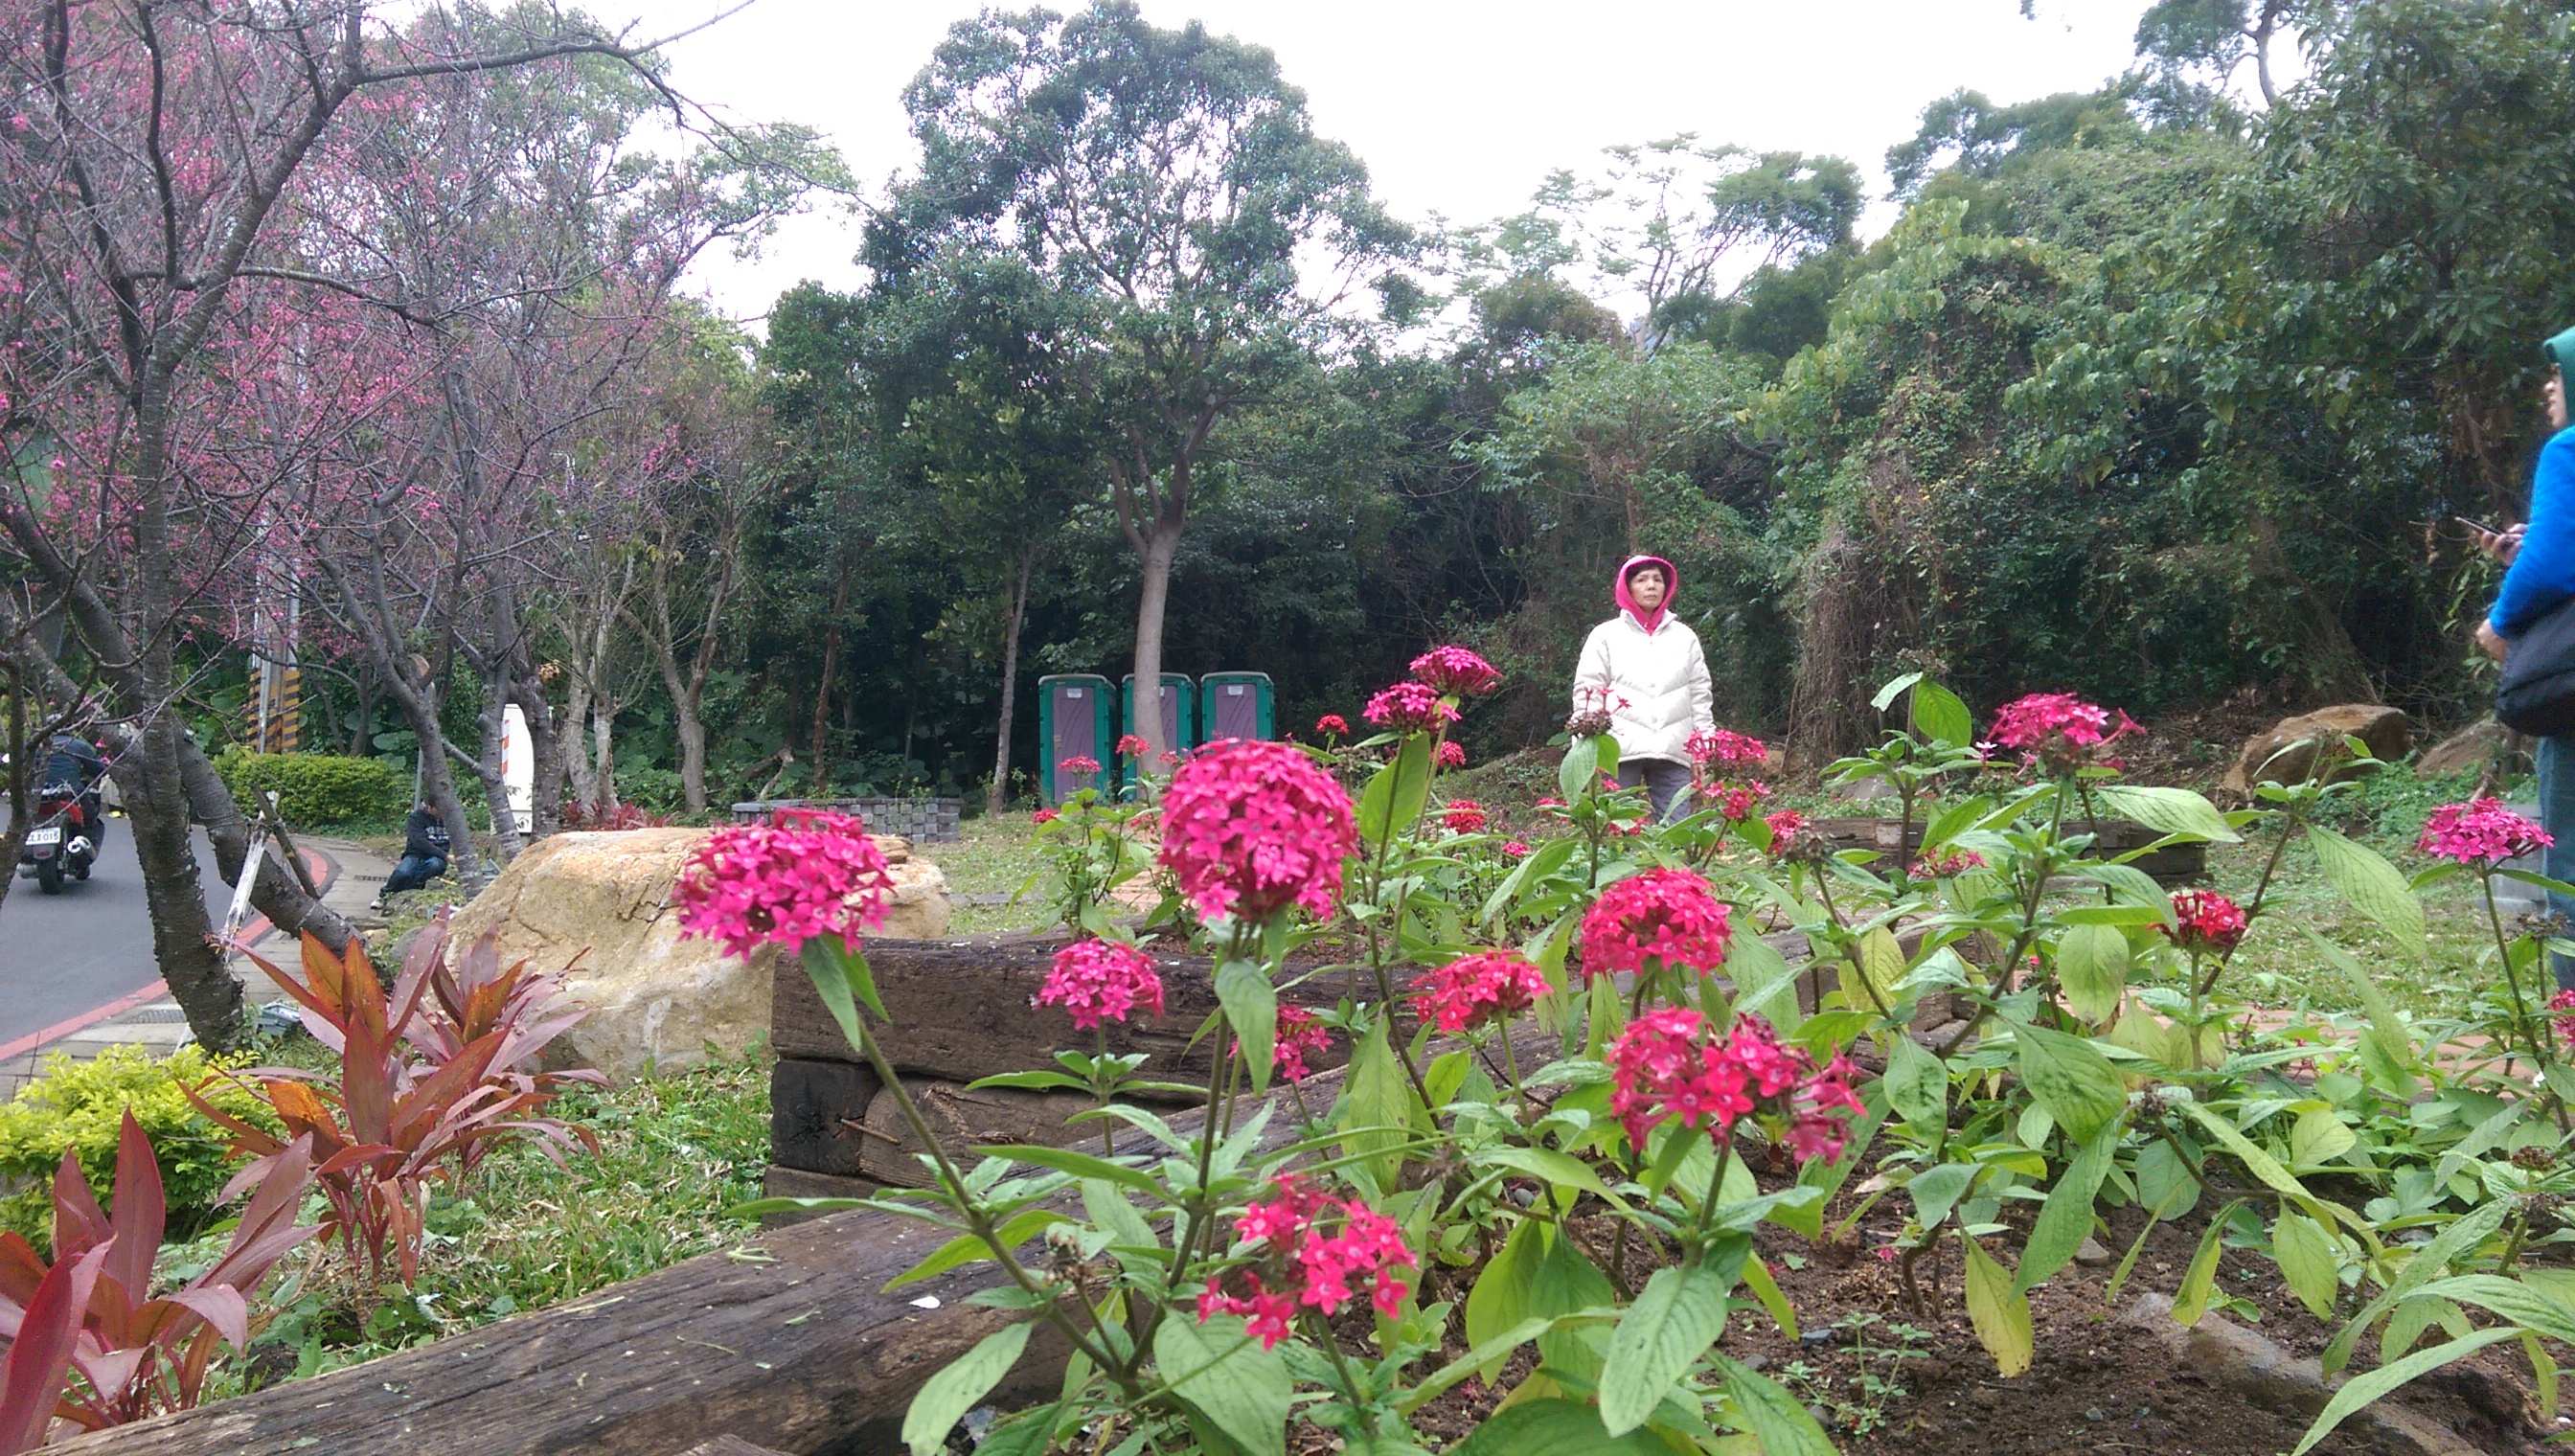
[{"x": 995, "y": 855}]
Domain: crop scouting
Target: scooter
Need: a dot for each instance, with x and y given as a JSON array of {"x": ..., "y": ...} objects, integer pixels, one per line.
[{"x": 64, "y": 840}]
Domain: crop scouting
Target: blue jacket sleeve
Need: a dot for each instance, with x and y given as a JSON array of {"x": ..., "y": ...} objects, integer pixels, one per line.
[{"x": 2543, "y": 575}]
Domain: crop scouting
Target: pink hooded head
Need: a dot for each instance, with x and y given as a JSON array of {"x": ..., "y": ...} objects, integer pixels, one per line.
[{"x": 1627, "y": 602}]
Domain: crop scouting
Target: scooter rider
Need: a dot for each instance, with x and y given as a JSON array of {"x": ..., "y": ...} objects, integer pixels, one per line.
[{"x": 72, "y": 762}]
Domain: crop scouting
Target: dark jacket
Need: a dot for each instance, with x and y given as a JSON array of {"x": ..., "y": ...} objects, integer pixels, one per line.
[{"x": 424, "y": 834}]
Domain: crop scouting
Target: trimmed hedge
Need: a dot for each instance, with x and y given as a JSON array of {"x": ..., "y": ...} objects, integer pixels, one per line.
[
  {"x": 316, "y": 789},
  {"x": 81, "y": 1104}
]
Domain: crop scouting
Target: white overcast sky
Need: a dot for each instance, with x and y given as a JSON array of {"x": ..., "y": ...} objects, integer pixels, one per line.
[{"x": 1458, "y": 107}]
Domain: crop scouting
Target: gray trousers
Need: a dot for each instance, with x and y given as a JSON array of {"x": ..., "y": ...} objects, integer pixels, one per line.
[{"x": 1667, "y": 784}]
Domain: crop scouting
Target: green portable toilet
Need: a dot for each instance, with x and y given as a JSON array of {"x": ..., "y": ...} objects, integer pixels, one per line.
[
  {"x": 1074, "y": 721},
  {"x": 1179, "y": 713},
  {"x": 1235, "y": 705}
]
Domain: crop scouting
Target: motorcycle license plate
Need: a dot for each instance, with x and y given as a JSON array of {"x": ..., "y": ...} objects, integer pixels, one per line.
[{"x": 42, "y": 838}]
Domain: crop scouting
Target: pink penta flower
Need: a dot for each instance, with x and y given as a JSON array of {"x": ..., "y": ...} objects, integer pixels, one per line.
[
  {"x": 2205, "y": 922},
  {"x": 1785, "y": 827},
  {"x": 1133, "y": 745},
  {"x": 1410, "y": 707},
  {"x": 1944, "y": 866},
  {"x": 2563, "y": 1003},
  {"x": 1102, "y": 980},
  {"x": 1332, "y": 723},
  {"x": 2057, "y": 729},
  {"x": 1741, "y": 802},
  {"x": 799, "y": 876},
  {"x": 1489, "y": 986},
  {"x": 1462, "y": 816},
  {"x": 1669, "y": 1066},
  {"x": 1724, "y": 750},
  {"x": 1300, "y": 1035},
  {"x": 1515, "y": 849},
  {"x": 1312, "y": 1248},
  {"x": 1079, "y": 765},
  {"x": 1250, "y": 829},
  {"x": 1451, "y": 755},
  {"x": 1662, "y": 917},
  {"x": 1046, "y": 817},
  {"x": 2480, "y": 833},
  {"x": 1456, "y": 671}
]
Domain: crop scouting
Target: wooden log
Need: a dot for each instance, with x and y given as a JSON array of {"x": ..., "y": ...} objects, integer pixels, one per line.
[
  {"x": 966, "y": 1119},
  {"x": 815, "y": 1112},
  {"x": 966, "y": 1009},
  {"x": 801, "y": 1183}
]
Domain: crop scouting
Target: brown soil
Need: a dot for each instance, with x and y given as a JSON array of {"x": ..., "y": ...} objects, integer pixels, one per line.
[{"x": 2091, "y": 1388}]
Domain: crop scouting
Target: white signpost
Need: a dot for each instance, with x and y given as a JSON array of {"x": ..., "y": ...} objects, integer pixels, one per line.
[{"x": 519, "y": 766}]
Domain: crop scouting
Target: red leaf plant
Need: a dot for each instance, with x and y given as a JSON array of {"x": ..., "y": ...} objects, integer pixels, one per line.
[
  {"x": 92, "y": 1310},
  {"x": 388, "y": 1127},
  {"x": 471, "y": 995}
]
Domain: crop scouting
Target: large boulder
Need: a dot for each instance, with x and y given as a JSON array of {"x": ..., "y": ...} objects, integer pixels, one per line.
[
  {"x": 2287, "y": 752},
  {"x": 600, "y": 903},
  {"x": 2469, "y": 747}
]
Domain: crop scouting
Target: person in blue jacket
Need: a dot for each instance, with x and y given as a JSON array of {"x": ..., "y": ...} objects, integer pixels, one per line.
[{"x": 2541, "y": 555}]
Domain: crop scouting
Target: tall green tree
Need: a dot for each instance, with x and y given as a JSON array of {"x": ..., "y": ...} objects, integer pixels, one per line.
[{"x": 1168, "y": 181}]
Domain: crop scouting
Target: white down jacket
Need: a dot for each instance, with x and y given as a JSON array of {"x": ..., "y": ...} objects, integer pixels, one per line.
[{"x": 1650, "y": 671}]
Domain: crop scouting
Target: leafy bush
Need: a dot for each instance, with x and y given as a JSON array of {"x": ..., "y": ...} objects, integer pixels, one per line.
[
  {"x": 655, "y": 790},
  {"x": 81, "y": 1105},
  {"x": 315, "y": 788}
]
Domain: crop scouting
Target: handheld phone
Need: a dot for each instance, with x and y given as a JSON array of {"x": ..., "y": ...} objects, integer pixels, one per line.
[{"x": 2475, "y": 524}]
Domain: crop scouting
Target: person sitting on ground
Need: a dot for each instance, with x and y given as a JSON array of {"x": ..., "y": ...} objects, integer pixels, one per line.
[
  {"x": 2541, "y": 555},
  {"x": 424, "y": 855},
  {"x": 1646, "y": 669}
]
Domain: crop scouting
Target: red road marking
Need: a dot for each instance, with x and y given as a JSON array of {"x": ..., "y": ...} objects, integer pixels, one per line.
[{"x": 324, "y": 872}]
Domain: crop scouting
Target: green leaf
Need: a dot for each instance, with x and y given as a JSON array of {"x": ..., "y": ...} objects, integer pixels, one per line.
[
  {"x": 2365, "y": 1388},
  {"x": 1124, "y": 1222},
  {"x": 1765, "y": 983},
  {"x": 2387, "y": 1047},
  {"x": 965, "y": 1248},
  {"x": 1080, "y": 1164},
  {"x": 1030, "y": 1081},
  {"x": 956, "y": 1390},
  {"x": 2363, "y": 877},
  {"x": 1397, "y": 791},
  {"x": 1937, "y": 1189},
  {"x": 1938, "y": 716},
  {"x": 1252, "y": 1007},
  {"x": 1489, "y": 1353},
  {"x": 1999, "y": 1314},
  {"x": 1579, "y": 773},
  {"x": 1502, "y": 1298},
  {"x": 2166, "y": 1187},
  {"x": 1894, "y": 689},
  {"x": 1917, "y": 1084},
  {"x": 2257, "y": 1162},
  {"x": 2305, "y": 1254},
  {"x": 2065, "y": 1220},
  {"x": 2318, "y": 1136},
  {"x": 1673, "y": 1323},
  {"x": 1377, "y": 1104},
  {"x": 2428, "y": 1263},
  {"x": 1559, "y": 1169},
  {"x": 1222, "y": 1373},
  {"x": 2092, "y": 967},
  {"x": 1765, "y": 1411},
  {"x": 2190, "y": 1297},
  {"x": 1554, "y": 1428},
  {"x": 2166, "y": 811},
  {"x": 839, "y": 973},
  {"x": 2529, "y": 1307},
  {"x": 2071, "y": 1078}
]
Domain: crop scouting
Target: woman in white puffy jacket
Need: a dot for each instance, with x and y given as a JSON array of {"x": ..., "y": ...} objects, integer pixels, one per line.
[{"x": 1646, "y": 669}]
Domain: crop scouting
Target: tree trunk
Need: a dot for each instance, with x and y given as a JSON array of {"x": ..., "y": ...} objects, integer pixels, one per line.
[
  {"x": 576, "y": 758},
  {"x": 999, "y": 792},
  {"x": 1161, "y": 549},
  {"x": 602, "y": 733},
  {"x": 491, "y": 767},
  {"x": 822, "y": 695},
  {"x": 692, "y": 748}
]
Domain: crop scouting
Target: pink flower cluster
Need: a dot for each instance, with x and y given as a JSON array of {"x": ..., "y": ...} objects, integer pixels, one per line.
[
  {"x": 1306, "y": 1267},
  {"x": 1455, "y": 672},
  {"x": 1515, "y": 849},
  {"x": 1079, "y": 765},
  {"x": 1133, "y": 745},
  {"x": 1667, "y": 1066},
  {"x": 1785, "y": 827},
  {"x": 2058, "y": 728},
  {"x": 1723, "y": 748},
  {"x": 1250, "y": 829},
  {"x": 2563, "y": 1003},
  {"x": 784, "y": 882},
  {"x": 2481, "y": 833},
  {"x": 1942, "y": 866},
  {"x": 1668, "y": 916},
  {"x": 1741, "y": 801},
  {"x": 1332, "y": 723},
  {"x": 1462, "y": 816},
  {"x": 2205, "y": 922},
  {"x": 1046, "y": 817},
  {"x": 1451, "y": 754},
  {"x": 1300, "y": 1035},
  {"x": 1410, "y": 707},
  {"x": 1489, "y": 986},
  {"x": 1102, "y": 980}
]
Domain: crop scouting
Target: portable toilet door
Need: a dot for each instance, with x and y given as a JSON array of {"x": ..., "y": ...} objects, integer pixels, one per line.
[
  {"x": 1072, "y": 723},
  {"x": 1179, "y": 713},
  {"x": 1236, "y": 706}
]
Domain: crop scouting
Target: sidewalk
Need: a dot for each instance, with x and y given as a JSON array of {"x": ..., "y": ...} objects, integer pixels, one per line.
[{"x": 151, "y": 1019}]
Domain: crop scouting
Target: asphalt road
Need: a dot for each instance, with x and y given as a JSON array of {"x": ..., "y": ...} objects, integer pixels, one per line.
[{"x": 66, "y": 954}]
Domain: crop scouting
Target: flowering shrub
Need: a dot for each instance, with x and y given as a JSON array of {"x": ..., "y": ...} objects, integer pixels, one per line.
[
  {"x": 1130, "y": 746},
  {"x": 1079, "y": 766}
]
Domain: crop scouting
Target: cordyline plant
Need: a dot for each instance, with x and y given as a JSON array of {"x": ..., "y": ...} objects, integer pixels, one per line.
[
  {"x": 94, "y": 1312},
  {"x": 386, "y": 1126}
]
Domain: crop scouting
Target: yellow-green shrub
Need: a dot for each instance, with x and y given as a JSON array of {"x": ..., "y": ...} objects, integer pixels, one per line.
[{"x": 80, "y": 1104}]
